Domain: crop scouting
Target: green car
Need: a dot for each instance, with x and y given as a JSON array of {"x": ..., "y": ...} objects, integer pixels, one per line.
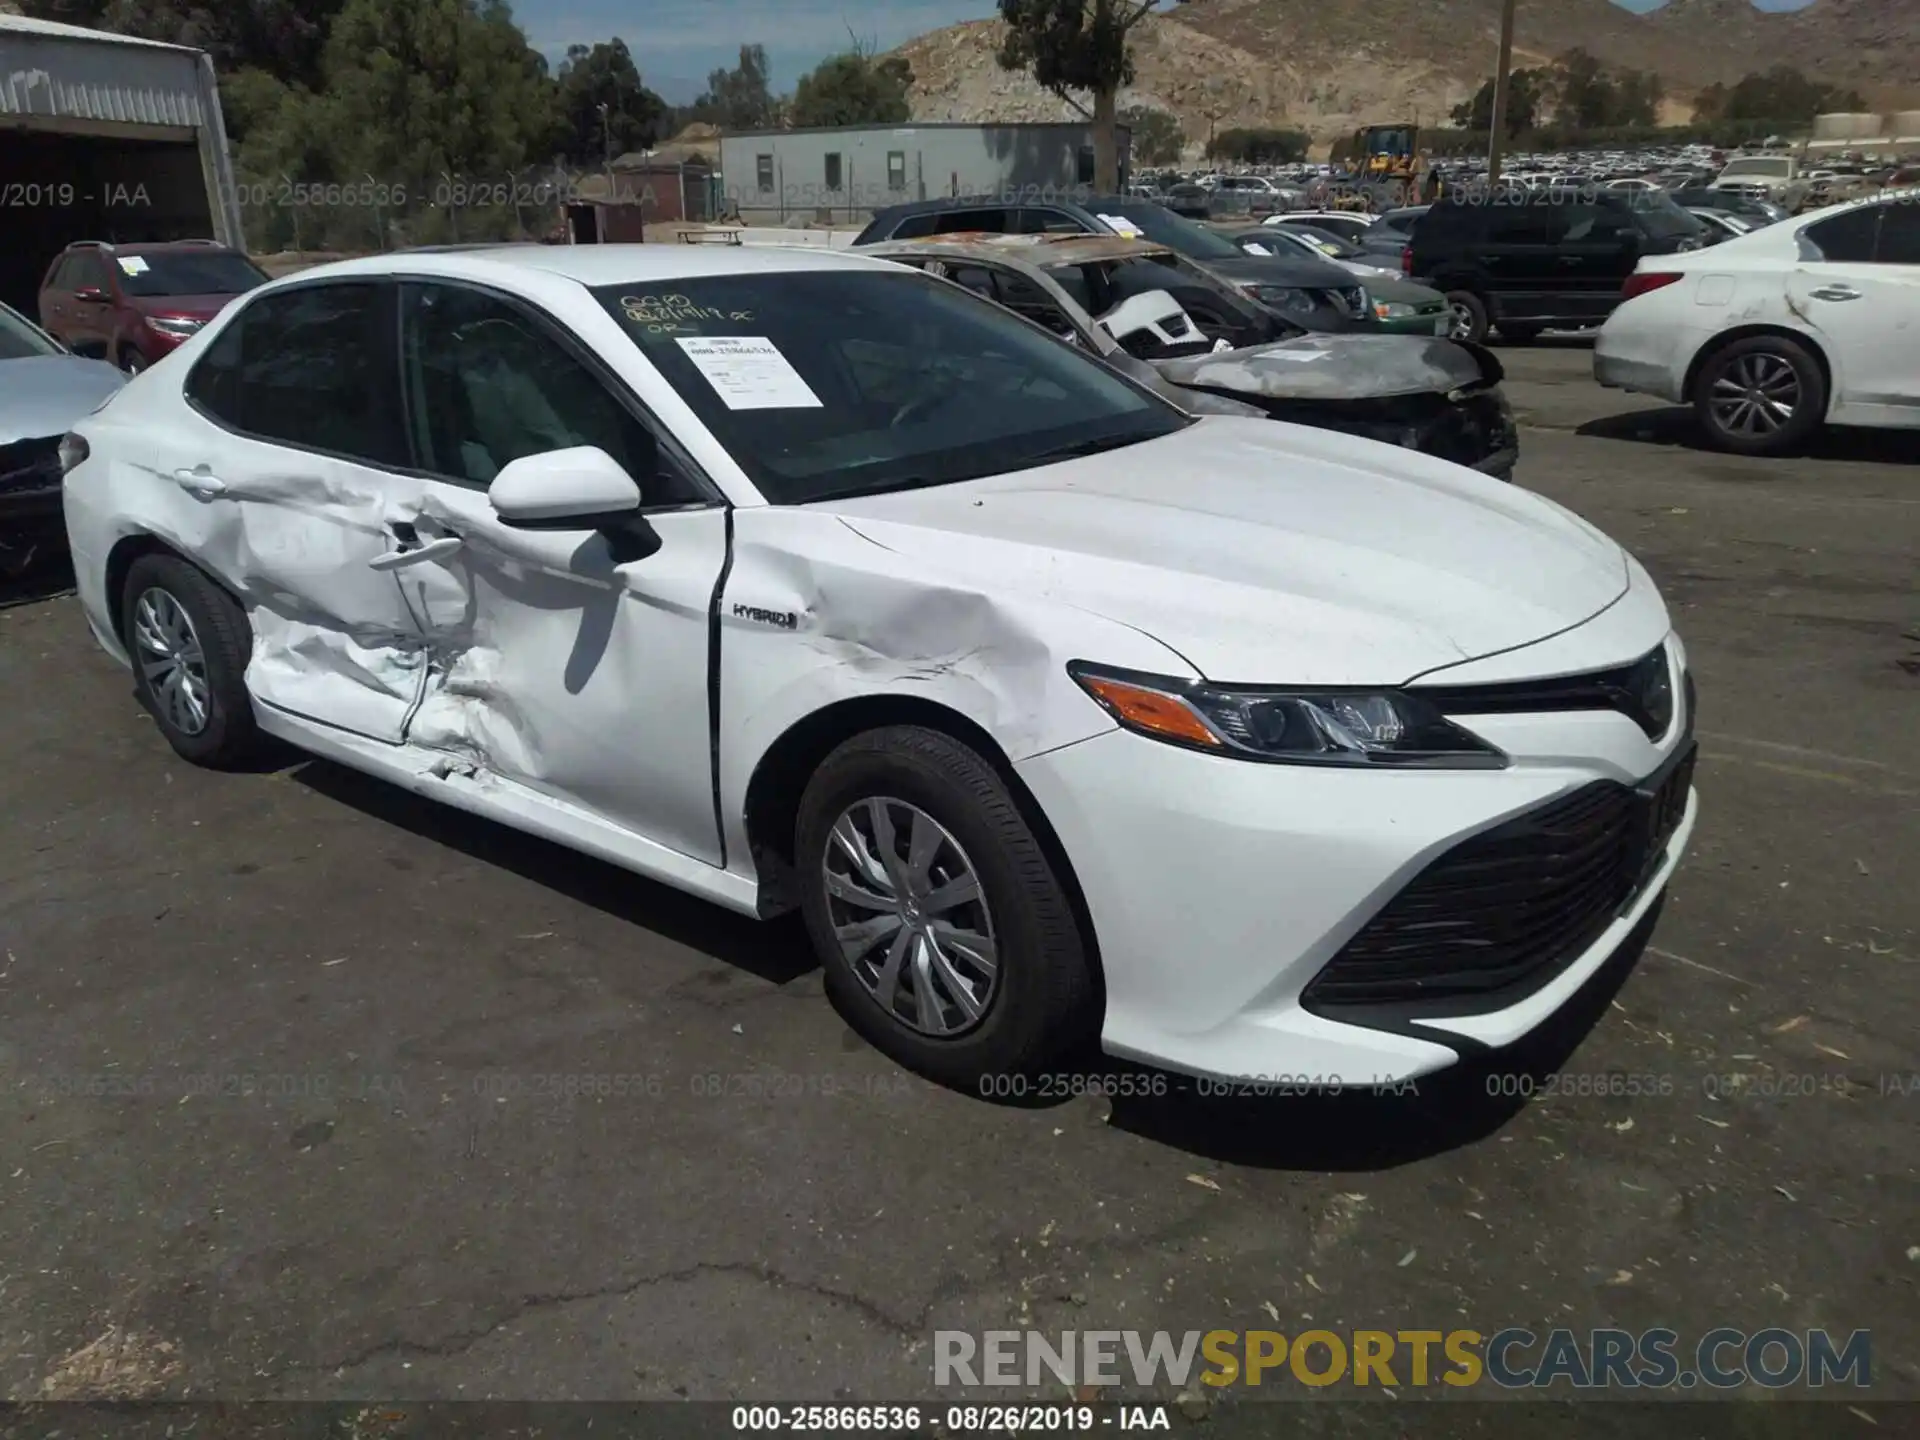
[{"x": 1404, "y": 308}]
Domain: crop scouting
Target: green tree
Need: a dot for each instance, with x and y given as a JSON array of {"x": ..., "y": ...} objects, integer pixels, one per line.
[
  {"x": 1527, "y": 92},
  {"x": 602, "y": 107},
  {"x": 1583, "y": 91},
  {"x": 1156, "y": 135},
  {"x": 435, "y": 95},
  {"x": 740, "y": 98},
  {"x": 1784, "y": 95},
  {"x": 854, "y": 89},
  {"x": 1070, "y": 45}
]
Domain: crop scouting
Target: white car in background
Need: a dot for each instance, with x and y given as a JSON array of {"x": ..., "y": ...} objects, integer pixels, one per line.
[
  {"x": 805, "y": 580},
  {"x": 1349, "y": 225},
  {"x": 1775, "y": 333}
]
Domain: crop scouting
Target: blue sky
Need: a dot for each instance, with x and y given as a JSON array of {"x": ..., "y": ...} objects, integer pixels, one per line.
[{"x": 676, "y": 42}]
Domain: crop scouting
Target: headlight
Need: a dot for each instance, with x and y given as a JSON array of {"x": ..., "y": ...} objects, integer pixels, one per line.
[
  {"x": 175, "y": 326},
  {"x": 1292, "y": 727},
  {"x": 1283, "y": 297},
  {"x": 1395, "y": 310}
]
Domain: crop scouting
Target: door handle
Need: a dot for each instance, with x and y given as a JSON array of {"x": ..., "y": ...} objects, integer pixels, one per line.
[
  {"x": 1571, "y": 259},
  {"x": 200, "y": 482},
  {"x": 415, "y": 555},
  {"x": 1836, "y": 292}
]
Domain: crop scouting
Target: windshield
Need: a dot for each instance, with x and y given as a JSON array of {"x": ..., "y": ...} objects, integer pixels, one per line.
[
  {"x": 825, "y": 383},
  {"x": 1662, "y": 219},
  {"x": 1776, "y": 169},
  {"x": 1327, "y": 243},
  {"x": 188, "y": 272},
  {"x": 1163, "y": 227},
  {"x": 20, "y": 340}
]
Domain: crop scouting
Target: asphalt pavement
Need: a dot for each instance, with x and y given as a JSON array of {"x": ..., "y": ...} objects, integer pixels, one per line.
[{"x": 309, "y": 1089}]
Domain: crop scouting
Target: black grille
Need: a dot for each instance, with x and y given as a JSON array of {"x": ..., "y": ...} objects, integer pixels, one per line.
[
  {"x": 1501, "y": 914},
  {"x": 1642, "y": 691},
  {"x": 30, "y": 466}
]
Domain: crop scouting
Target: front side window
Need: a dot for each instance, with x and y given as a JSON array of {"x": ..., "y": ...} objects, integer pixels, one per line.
[
  {"x": 487, "y": 385},
  {"x": 995, "y": 221},
  {"x": 162, "y": 273},
  {"x": 308, "y": 368},
  {"x": 824, "y": 383}
]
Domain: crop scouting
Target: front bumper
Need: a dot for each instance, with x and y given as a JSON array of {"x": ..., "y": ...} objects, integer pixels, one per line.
[
  {"x": 1221, "y": 890},
  {"x": 31, "y": 522}
]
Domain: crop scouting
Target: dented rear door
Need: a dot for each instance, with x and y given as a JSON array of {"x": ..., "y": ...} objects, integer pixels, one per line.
[{"x": 285, "y": 479}]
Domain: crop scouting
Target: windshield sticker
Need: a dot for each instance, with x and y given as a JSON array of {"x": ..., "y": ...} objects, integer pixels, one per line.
[
  {"x": 1254, "y": 247},
  {"x": 1120, "y": 225},
  {"x": 748, "y": 372},
  {"x": 665, "y": 314},
  {"x": 133, "y": 265}
]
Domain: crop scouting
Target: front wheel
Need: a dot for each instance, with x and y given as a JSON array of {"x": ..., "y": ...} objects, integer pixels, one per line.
[
  {"x": 1764, "y": 395},
  {"x": 948, "y": 939},
  {"x": 132, "y": 362},
  {"x": 1468, "y": 318}
]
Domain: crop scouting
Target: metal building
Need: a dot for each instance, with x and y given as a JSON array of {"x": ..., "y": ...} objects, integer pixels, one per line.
[
  {"x": 845, "y": 173},
  {"x": 104, "y": 137}
]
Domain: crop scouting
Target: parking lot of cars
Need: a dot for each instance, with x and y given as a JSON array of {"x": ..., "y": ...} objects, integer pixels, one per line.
[{"x": 311, "y": 1088}]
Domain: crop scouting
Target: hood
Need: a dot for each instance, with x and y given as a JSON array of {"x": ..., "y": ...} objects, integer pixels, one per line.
[
  {"x": 1335, "y": 367},
  {"x": 1268, "y": 553},
  {"x": 193, "y": 307},
  {"x": 1298, "y": 271},
  {"x": 46, "y": 395}
]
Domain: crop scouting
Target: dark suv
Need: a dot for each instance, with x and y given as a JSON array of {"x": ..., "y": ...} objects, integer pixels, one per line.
[
  {"x": 132, "y": 304},
  {"x": 1523, "y": 261},
  {"x": 1313, "y": 294}
]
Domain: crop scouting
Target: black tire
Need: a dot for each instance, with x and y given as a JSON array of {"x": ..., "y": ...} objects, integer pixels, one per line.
[
  {"x": 1515, "y": 333},
  {"x": 1470, "y": 311},
  {"x": 229, "y": 737},
  {"x": 1760, "y": 355},
  {"x": 1042, "y": 1004},
  {"x": 132, "y": 361}
]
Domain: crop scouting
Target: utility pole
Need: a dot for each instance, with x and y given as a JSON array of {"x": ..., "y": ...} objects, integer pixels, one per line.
[{"x": 1501, "y": 78}]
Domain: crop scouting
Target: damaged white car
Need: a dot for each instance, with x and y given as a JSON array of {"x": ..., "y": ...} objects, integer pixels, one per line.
[{"x": 799, "y": 579}]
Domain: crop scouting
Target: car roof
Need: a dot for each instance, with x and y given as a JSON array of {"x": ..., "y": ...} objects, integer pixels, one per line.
[
  {"x": 143, "y": 247},
  {"x": 594, "y": 265}
]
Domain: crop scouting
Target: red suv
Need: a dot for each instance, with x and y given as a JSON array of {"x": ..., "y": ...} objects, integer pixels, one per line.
[{"x": 132, "y": 304}]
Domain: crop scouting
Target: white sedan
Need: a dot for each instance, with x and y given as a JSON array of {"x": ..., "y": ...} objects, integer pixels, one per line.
[
  {"x": 794, "y": 579},
  {"x": 1775, "y": 333}
]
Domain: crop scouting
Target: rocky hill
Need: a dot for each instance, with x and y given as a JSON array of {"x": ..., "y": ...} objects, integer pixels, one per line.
[{"x": 1328, "y": 66}]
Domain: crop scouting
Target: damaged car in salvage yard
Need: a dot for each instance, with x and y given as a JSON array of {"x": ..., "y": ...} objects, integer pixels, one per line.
[
  {"x": 801, "y": 580},
  {"x": 1162, "y": 319}
]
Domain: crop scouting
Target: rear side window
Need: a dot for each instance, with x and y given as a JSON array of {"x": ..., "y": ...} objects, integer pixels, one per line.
[
  {"x": 997, "y": 220},
  {"x": 1528, "y": 224},
  {"x": 1899, "y": 234},
  {"x": 1448, "y": 224},
  {"x": 1847, "y": 237},
  {"x": 311, "y": 368},
  {"x": 913, "y": 227}
]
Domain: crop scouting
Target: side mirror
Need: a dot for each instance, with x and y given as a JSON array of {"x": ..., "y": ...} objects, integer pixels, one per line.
[{"x": 579, "y": 489}]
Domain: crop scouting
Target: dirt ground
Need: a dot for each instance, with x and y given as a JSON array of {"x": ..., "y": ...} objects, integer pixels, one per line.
[{"x": 308, "y": 1089}]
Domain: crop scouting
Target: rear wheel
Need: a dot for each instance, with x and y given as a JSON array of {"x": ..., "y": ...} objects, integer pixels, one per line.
[
  {"x": 1467, "y": 314},
  {"x": 947, "y": 938},
  {"x": 1764, "y": 395},
  {"x": 189, "y": 642}
]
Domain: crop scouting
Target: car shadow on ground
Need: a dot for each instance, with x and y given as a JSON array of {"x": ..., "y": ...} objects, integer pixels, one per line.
[
  {"x": 1369, "y": 1129},
  {"x": 776, "y": 951},
  {"x": 1675, "y": 425},
  {"x": 47, "y": 577}
]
